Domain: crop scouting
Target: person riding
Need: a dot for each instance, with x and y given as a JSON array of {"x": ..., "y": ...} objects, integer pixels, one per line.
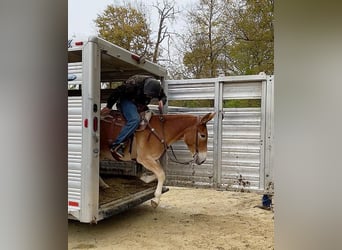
[{"x": 131, "y": 98}]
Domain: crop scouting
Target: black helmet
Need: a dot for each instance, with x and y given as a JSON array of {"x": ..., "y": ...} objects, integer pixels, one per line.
[{"x": 152, "y": 87}]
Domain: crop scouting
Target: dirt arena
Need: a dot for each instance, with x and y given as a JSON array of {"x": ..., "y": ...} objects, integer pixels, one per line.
[{"x": 187, "y": 218}]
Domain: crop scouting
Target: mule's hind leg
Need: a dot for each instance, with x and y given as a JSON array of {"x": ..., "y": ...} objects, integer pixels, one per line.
[
  {"x": 102, "y": 183},
  {"x": 158, "y": 171}
]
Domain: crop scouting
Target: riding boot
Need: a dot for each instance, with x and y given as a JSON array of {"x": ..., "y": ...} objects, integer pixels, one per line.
[{"x": 117, "y": 150}]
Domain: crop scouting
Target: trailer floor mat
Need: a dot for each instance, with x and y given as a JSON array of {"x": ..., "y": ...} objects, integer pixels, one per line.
[{"x": 122, "y": 186}]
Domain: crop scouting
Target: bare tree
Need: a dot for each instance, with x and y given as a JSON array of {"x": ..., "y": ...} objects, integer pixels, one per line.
[
  {"x": 205, "y": 39},
  {"x": 166, "y": 12}
]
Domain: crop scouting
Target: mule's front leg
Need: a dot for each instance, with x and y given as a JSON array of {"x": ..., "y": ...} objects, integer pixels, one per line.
[
  {"x": 158, "y": 171},
  {"x": 158, "y": 192}
]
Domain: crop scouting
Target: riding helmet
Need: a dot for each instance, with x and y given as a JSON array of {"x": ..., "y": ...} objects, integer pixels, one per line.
[{"x": 152, "y": 87}]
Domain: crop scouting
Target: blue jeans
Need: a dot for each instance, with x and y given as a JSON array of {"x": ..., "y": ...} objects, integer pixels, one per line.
[{"x": 130, "y": 112}]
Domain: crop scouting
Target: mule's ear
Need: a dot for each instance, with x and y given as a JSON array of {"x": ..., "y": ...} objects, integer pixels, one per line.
[{"x": 207, "y": 118}]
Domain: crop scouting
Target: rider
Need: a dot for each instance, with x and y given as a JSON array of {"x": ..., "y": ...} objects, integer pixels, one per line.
[{"x": 132, "y": 97}]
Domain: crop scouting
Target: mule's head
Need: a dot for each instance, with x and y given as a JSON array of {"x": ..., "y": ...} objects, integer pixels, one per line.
[{"x": 196, "y": 138}]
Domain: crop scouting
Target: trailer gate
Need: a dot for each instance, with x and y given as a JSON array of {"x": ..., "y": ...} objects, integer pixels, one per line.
[{"x": 240, "y": 139}]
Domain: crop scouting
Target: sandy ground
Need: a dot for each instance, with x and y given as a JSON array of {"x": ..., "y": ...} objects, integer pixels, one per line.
[{"x": 186, "y": 219}]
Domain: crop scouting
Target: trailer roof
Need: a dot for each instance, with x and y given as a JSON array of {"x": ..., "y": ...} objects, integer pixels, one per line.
[{"x": 117, "y": 64}]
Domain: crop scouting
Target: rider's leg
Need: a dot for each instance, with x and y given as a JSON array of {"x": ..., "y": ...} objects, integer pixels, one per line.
[{"x": 130, "y": 112}]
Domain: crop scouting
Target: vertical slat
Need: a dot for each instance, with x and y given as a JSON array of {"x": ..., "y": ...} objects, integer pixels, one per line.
[{"x": 269, "y": 126}]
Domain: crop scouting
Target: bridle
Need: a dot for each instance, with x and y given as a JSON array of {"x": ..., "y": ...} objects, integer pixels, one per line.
[
  {"x": 187, "y": 162},
  {"x": 173, "y": 156}
]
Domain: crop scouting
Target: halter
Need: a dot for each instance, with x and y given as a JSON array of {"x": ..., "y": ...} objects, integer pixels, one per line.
[{"x": 166, "y": 147}]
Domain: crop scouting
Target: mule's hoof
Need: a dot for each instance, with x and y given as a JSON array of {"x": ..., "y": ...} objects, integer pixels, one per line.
[
  {"x": 105, "y": 187},
  {"x": 154, "y": 204}
]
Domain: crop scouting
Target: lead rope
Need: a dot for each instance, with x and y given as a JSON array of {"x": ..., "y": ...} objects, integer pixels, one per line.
[
  {"x": 192, "y": 165},
  {"x": 191, "y": 162}
]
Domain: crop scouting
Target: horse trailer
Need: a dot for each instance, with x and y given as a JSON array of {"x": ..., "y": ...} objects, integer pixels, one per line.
[{"x": 93, "y": 65}]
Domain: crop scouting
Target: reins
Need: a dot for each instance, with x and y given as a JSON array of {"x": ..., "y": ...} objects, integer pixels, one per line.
[{"x": 172, "y": 157}]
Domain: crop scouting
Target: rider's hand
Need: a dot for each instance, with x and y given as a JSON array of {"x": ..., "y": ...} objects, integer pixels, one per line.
[{"x": 160, "y": 105}]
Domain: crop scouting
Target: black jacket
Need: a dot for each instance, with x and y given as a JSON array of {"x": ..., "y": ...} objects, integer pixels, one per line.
[{"x": 140, "y": 89}]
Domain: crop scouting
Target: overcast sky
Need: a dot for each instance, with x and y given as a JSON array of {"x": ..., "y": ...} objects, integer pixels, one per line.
[{"x": 82, "y": 13}]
